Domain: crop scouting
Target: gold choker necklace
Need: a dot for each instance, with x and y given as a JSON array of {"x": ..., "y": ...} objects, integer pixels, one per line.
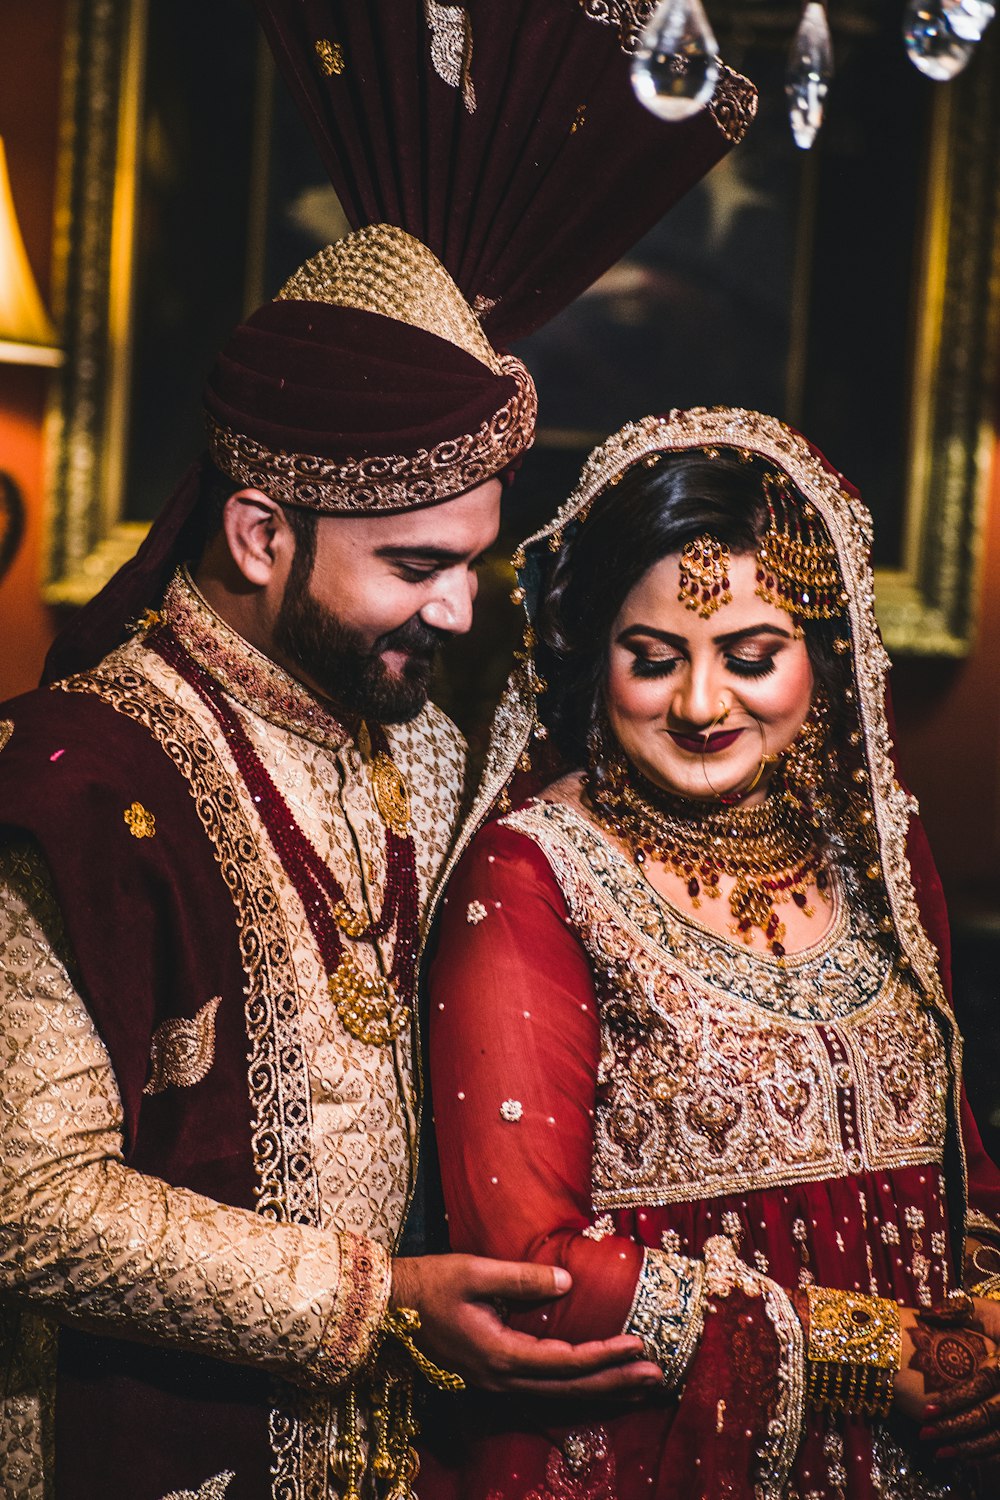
[{"x": 769, "y": 851}]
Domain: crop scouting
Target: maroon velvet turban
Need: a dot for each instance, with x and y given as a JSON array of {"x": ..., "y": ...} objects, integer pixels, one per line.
[{"x": 367, "y": 385}]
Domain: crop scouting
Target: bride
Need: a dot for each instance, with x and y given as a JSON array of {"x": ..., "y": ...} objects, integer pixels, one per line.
[{"x": 690, "y": 1036}]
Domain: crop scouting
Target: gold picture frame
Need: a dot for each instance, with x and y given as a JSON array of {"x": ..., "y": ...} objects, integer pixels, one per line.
[{"x": 927, "y": 606}]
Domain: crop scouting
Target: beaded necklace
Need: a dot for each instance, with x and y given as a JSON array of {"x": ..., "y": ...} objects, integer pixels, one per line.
[
  {"x": 769, "y": 851},
  {"x": 372, "y": 1009}
]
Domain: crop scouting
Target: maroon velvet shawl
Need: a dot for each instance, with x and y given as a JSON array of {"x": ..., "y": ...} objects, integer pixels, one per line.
[{"x": 150, "y": 927}]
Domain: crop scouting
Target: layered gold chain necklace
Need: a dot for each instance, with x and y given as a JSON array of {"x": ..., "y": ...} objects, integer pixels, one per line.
[{"x": 769, "y": 851}]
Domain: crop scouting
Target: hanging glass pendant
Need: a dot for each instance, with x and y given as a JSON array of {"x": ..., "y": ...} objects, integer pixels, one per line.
[
  {"x": 807, "y": 77},
  {"x": 968, "y": 19},
  {"x": 932, "y": 44},
  {"x": 676, "y": 68}
]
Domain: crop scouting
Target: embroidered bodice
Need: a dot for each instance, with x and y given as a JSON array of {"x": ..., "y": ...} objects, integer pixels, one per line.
[{"x": 723, "y": 1070}]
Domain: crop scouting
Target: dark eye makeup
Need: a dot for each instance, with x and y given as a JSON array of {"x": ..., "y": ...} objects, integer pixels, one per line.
[
  {"x": 741, "y": 666},
  {"x": 747, "y": 666}
]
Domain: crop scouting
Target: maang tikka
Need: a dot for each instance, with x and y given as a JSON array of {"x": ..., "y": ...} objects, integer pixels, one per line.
[{"x": 704, "y": 577}]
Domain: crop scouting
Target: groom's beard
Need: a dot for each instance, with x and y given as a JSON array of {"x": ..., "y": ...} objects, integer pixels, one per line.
[{"x": 354, "y": 676}]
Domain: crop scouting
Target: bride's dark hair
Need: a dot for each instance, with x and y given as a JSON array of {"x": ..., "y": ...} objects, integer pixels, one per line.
[{"x": 653, "y": 512}]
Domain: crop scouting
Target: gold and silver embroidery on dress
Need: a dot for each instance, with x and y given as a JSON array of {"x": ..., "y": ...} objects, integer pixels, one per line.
[{"x": 723, "y": 1071}]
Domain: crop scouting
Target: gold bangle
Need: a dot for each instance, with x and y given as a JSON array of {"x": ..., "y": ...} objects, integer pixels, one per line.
[{"x": 853, "y": 1350}]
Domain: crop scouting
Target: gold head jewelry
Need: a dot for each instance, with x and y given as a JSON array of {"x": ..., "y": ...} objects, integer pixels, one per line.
[
  {"x": 705, "y": 575},
  {"x": 796, "y": 565}
]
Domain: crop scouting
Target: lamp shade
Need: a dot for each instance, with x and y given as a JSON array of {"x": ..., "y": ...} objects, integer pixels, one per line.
[{"x": 27, "y": 336}]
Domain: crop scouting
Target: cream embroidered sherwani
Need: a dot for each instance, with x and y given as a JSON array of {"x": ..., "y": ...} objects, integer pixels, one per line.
[{"x": 297, "y": 1286}]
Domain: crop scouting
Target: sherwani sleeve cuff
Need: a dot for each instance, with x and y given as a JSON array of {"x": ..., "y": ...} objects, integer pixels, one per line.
[{"x": 359, "y": 1305}]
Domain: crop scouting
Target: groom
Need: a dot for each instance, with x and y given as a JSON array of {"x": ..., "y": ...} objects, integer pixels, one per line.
[{"x": 221, "y": 825}]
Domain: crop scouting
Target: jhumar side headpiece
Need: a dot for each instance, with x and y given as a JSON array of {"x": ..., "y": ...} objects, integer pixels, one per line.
[{"x": 796, "y": 565}]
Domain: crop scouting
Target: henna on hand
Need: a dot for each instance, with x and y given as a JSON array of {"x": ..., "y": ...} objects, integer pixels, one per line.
[
  {"x": 946, "y": 1356},
  {"x": 965, "y": 1418}
]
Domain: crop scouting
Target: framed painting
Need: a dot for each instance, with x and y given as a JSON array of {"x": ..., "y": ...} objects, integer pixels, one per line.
[{"x": 853, "y": 291}]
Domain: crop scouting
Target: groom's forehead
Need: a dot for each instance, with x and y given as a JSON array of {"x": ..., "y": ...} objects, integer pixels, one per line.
[{"x": 451, "y": 531}]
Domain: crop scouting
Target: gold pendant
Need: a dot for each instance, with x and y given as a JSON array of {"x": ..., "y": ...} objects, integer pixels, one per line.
[
  {"x": 366, "y": 1004},
  {"x": 351, "y": 923},
  {"x": 389, "y": 787},
  {"x": 392, "y": 795}
]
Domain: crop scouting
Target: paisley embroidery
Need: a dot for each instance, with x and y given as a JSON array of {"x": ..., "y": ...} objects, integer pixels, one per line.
[
  {"x": 183, "y": 1050},
  {"x": 6, "y": 730},
  {"x": 451, "y": 47}
]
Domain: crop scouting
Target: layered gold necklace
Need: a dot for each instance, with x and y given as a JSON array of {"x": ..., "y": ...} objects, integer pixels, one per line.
[{"x": 769, "y": 851}]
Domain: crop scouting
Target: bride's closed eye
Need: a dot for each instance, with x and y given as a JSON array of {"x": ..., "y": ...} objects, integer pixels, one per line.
[
  {"x": 750, "y": 666},
  {"x": 654, "y": 666}
]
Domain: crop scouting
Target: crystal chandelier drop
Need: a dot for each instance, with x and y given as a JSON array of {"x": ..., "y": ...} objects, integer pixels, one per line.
[{"x": 675, "y": 69}]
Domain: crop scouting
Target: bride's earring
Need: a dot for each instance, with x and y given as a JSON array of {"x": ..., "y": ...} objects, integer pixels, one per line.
[{"x": 805, "y": 760}]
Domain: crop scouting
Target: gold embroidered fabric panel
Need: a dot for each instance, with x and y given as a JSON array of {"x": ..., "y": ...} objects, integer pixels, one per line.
[
  {"x": 723, "y": 1072},
  {"x": 27, "y": 1403},
  {"x": 84, "y": 1236}
]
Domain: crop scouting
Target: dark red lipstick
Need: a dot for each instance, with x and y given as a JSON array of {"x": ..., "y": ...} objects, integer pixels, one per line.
[{"x": 698, "y": 744}]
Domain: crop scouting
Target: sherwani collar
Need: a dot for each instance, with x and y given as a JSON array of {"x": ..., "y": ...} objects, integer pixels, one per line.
[{"x": 243, "y": 672}]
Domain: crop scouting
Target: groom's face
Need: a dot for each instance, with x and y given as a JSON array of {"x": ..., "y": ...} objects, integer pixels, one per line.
[{"x": 383, "y": 593}]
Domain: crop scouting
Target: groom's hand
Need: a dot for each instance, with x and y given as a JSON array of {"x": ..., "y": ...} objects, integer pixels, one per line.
[{"x": 460, "y": 1299}]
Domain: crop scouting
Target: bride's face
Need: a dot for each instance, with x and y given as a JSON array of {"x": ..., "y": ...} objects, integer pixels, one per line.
[{"x": 695, "y": 703}]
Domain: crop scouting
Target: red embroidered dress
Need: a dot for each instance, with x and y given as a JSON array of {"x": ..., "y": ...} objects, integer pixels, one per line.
[{"x": 690, "y": 1127}]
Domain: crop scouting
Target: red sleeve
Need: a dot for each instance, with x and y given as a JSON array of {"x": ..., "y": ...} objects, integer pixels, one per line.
[{"x": 514, "y": 1047}]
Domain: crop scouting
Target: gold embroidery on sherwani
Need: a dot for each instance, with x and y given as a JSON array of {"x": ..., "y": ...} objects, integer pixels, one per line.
[
  {"x": 6, "y": 730},
  {"x": 335, "y": 1133},
  {"x": 212, "y": 1489},
  {"x": 725, "y": 1072},
  {"x": 140, "y": 821},
  {"x": 83, "y": 1234},
  {"x": 182, "y": 1051},
  {"x": 331, "y": 57}
]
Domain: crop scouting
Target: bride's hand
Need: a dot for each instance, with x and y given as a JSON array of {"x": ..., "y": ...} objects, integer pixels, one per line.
[
  {"x": 949, "y": 1379},
  {"x": 963, "y": 1420}
]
